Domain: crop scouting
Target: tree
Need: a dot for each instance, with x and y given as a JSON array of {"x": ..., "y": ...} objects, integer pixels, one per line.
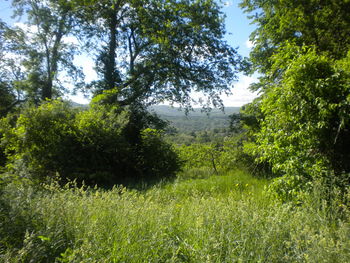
[
  {"x": 307, "y": 113},
  {"x": 7, "y": 98},
  {"x": 200, "y": 155},
  {"x": 41, "y": 46},
  {"x": 10, "y": 96},
  {"x": 302, "y": 48},
  {"x": 319, "y": 23},
  {"x": 155, "y": 50}
]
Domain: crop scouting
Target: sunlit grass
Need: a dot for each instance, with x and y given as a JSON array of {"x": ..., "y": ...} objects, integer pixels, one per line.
[
  {"x": 235, "y": 183},
  {"x": 224, "y": 218}
]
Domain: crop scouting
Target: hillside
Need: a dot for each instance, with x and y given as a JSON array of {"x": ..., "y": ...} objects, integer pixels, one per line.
[{"x": 195, "y": 120}]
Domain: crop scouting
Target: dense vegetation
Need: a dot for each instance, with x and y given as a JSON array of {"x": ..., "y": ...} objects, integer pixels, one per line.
[
  {"x": 213, "y": 219},
  {"x": 302, "y": 129},
  {"x": 113, "y": 182},
  {"x": 144, "y": 53},
  {"x": 97, "y": 146}
]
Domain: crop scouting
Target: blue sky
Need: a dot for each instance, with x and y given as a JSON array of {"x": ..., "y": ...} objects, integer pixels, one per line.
[
  {"x": 237, "y": 26},
  {"x": 5, "y": 10},
  {"x": 238, "y": 30}
]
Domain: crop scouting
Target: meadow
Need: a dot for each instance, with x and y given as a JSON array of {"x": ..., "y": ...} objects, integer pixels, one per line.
[
  {"x": 199, "y": 217},
  {"x": 113, "y": 182}
]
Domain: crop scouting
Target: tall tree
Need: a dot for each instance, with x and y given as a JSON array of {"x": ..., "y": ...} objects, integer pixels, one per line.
[
  {"x": 154, "y": 50},
  {"x": 10, "y": 74},
  {"x": 42, "y": 45}
]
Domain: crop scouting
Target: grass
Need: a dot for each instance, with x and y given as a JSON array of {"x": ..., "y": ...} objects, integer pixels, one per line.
[{"x": 223, "y": 218}]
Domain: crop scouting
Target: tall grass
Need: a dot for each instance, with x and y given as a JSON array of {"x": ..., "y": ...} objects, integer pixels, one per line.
[{"x": 216, "y": 219}]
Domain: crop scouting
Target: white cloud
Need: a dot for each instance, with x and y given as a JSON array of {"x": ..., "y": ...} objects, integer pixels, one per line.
[
  {"x": 228, "y": 3},
  {"x": 88, "y": 67},
  {"x": 27, "y": 28},
  {"x": 70, "y": 40},
  {"x": 240, "y": 93},
  {"x": 79, "y": 98},
  {"x": 249, "y": 44}
]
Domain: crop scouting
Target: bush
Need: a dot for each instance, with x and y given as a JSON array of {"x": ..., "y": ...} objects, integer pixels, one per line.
[
  {"x": 104, "y": 151},
  {"x": 43, "y": 140},
  {"x": 223, "y": 157},
  {"x": 306, "y": 130},
  {"x": 101, "y": 145},
  {"x": 157, "y": 157}
]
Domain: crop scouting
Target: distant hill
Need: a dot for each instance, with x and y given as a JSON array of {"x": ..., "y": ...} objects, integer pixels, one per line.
[
  {"x": 195, "y": 120},
  {"x": 78, "y": 105},
  {"x": 168, "y": 111}
]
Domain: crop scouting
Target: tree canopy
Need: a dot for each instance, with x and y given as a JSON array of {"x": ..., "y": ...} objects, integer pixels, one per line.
[
  {"x": 155, "y": 50},
  {"x": 302, "y": 50},
  {"x": 144, "y": 51},
  {"x": 42, "y": 49},
  {"x": 318, "y": 23}
]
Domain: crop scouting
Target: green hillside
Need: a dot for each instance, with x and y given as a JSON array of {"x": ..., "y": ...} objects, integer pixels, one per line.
[
  {"x": 196, "y": 120},
  {"x": 168, "y": 111}
]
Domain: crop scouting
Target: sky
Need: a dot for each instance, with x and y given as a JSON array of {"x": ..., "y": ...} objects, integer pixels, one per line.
[{"x": 238, "y": 30}]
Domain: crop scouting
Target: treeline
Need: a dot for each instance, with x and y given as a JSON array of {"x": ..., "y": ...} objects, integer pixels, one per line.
[{"x": 144, "y": 52}]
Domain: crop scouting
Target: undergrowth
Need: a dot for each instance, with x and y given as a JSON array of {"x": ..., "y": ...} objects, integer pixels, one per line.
[{"x": 224, "y": 218}]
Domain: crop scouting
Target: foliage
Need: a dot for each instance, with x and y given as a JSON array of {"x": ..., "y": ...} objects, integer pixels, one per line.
[
  {"x": 94, "y": 145},
  {"x": 302, "y": 48},
  {"x": 7, "y": 99},
  {"x": 248, "y": 119},
  {"x": 154, "y": 50},
  {"x": 43, "y": 141},
  {"x": 306, "y": 128},
  {"x": 242, "y": 144},
  {"x": 229, "y": 154},
  {"x": 10, "y": 95},
  {"x": 200, "y": 155},
  {"x": 39, "y": 50},
  {"x": 144, "y": 52},
  {"x": 157, "y": 158},
  {"x": 318, "y": 23}
]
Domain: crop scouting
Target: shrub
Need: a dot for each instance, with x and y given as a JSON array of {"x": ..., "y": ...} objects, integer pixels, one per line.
[
  {"x": 306, "y": 130},
  {"x": 199, "y": 155},
  {"x": 102, "y": 145},
  {"x": 43, "y": 140},
  {"x": 157, "y": 157}
]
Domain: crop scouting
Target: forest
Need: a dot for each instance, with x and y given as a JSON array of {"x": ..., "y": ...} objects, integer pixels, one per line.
[{"x": 126, "y": 180}]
